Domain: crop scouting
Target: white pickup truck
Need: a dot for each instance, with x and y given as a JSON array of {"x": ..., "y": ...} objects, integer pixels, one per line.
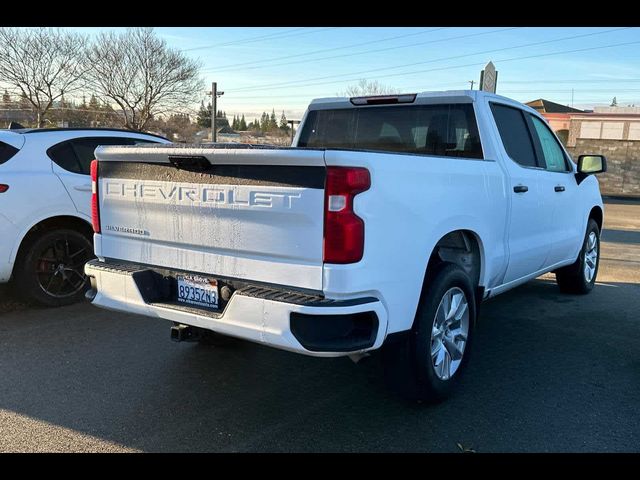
[{"x": 385, "y": 225}]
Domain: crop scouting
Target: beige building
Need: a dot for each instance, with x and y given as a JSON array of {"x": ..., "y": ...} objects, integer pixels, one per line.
[
  {"x": 615, "y": 133},
  {"x": 605, "y": 123}
]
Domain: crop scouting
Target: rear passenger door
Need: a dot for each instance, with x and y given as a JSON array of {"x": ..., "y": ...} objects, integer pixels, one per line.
[
  {"x": 71, "y": 161},
  {"x": 529, "y": 239}
]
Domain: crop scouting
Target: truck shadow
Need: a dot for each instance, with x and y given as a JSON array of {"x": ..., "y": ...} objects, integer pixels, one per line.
[{"x": 542, "y": 362}]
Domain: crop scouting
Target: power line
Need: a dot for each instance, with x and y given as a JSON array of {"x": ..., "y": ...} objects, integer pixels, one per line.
[
  {"x": 272, "y": 36},
  {"x": 610, "y": 80},
  {"x": 266, "y": 87},
  {"x": 377, "y": 50},
  {"x": 449, "y": 86},
  {"x": 230, "y": 67}
]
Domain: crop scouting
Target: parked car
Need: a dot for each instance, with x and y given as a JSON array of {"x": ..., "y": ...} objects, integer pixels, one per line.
[
  {"x": 390, "y": 225},
  {"x": 45, "y": 207}
]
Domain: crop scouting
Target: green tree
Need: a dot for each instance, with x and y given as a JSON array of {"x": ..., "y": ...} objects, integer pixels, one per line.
[
  {"x": 93, "y": 103},
  {"x": 243, "y": 124},
  {"x": 284, "y": 125},
  {"x": 203, "y": 118},
  {"x": 273, "y": 123},
  {"x": 264, "y": 122}
]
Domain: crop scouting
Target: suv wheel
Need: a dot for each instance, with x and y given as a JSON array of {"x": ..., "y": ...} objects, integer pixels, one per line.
[{"x": 51, "y": 270}]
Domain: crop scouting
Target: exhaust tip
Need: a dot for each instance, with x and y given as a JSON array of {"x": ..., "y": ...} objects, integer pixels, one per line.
[{"x": 90, "y": 294}]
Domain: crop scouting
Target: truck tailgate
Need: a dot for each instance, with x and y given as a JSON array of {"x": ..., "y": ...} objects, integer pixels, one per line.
[{"x": 251, "y": 214}]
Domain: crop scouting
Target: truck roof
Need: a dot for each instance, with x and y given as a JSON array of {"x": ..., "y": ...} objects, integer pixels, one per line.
[{"x": 423, "y": 97}]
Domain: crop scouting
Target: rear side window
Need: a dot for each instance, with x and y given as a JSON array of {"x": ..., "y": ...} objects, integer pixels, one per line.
[
  {"x": 514, "y": 133},
  {"x": 6, "y": 152},
  {"x": 440, "y": 130},
  {"x": 64, "y": 155},
  {"x": 76, "y": 155}
]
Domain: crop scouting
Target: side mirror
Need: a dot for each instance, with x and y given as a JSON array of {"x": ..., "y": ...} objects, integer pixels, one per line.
[{"x": 590, "y": 165}]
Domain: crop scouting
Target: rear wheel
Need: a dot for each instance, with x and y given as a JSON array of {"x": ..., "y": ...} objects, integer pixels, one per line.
[
  {"x": 580, "y": 277},
  {"x": 51, "y": 270},
  {"x": 428, "y": 363}
]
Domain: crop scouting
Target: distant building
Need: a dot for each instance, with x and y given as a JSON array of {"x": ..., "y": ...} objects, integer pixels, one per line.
[
  {"x": 611, "y": 131},
  {"x": 546, "y": 106},
  {"x": 605, "y": 123},
  {"x": 615, "y": 133},
  {"x": 559, "y": 116}
]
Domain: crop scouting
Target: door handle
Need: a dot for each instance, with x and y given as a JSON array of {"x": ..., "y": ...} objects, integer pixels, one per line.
[
  {"x": 559, "y": 188},
  {"x": 83, "y": 188},
  {"x": 520, "y": 189}
]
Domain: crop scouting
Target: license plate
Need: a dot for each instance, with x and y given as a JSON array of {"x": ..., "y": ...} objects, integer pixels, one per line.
[{"x": 198, "y": 291}]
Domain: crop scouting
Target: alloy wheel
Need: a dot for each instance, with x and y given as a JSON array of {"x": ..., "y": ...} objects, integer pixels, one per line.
[
  {"x": 449, "y": 333},
  {"x": 591, "y": 257},
  {"x": 60, "y": 267}
]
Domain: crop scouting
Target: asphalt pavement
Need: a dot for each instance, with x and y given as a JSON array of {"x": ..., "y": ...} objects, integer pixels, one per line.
[{"x": 549, "y": 372}]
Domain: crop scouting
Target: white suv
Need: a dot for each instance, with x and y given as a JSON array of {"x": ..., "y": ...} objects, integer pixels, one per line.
[{"x": 45, "y": 208}]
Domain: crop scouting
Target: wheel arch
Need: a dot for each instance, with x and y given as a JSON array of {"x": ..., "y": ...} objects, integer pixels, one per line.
[
  {"x": 47, "y": 224},
  {"x": 463, "y": 247},
  {"x": 597, "y": 214}
]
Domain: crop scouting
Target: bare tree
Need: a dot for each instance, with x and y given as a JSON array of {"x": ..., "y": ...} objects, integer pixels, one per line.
[
  {"x": 365, "y": 87},
  {"x": 41, "y": 65},
  {"x": 142, "y": 75}
]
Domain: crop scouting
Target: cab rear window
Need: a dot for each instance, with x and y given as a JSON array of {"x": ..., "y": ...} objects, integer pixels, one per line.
[
  {"x": 6, "y": 152},
  {"x": 448, "y": 130}
]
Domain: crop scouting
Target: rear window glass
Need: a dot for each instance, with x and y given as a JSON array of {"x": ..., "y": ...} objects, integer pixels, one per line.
[
  {"x": 75, "y": 155},
  {"x": 448, "y": 130},
  {"x": 6, "y": 152}
]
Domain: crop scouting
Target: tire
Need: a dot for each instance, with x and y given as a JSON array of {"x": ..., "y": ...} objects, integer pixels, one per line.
[
  {"x": 580, "y": 277},
  {"x": 50, "y": 271},
  {"x": 410, "y": 368}
]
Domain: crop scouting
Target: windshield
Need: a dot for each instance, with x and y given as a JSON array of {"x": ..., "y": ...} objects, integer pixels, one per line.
[{"x": 439, "y": 130}]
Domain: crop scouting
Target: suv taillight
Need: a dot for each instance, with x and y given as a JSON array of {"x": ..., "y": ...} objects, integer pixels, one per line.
[
  {"x": 343, "y": 229},
  {"x": 95, "y": 209}
]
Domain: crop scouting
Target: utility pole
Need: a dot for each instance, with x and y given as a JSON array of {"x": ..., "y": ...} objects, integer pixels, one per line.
[
  {"x": 214, "y": 110},
  {"x": 472, "y": 82},
  {"x": 292, "y": 122}
]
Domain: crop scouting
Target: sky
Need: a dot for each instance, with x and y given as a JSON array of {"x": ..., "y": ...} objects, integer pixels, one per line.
[{"x": 284, "y": 68}]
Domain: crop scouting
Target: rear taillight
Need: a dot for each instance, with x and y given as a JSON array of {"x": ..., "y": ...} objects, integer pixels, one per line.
[
  {"x": 95, "y": 209},
  {"x": 3, "y": 187},
  {"x": 343, "y": 229}
]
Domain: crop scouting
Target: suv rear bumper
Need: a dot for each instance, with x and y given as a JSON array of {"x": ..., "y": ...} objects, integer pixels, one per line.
[{"x": 297, "y": 322}]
